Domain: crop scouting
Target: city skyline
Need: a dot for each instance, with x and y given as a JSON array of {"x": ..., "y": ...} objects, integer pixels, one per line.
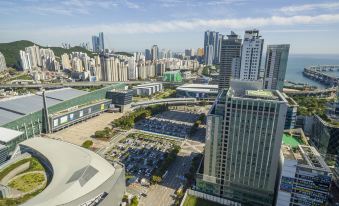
[{"x": 176, "y": 25}]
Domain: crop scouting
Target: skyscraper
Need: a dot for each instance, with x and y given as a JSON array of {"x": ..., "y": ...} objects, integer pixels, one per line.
[
  {"x": 2, "y": 62},
  {"x": 101, "y": 42},
  {"x": 275, "y": 67},
  {"x": 155, "y": 52},
  {"x": 243, "y": 139},
  {"x": 148, "y": 55},
  {"x": 95, "y": 43},
  {"x": 230, "y": 53},
  {"x": 98, "y": 43},
  {"x": 251, "y": 54},
  {"x": 212, "y": 47}
]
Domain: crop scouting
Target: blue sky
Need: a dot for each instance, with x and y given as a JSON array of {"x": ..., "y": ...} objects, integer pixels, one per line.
[{"x": 132, "y": 25}]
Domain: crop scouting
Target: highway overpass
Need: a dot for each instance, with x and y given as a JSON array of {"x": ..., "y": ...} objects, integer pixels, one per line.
[
  {"x": 73, "y": 84},
  {"x": 168, "y": 101}
]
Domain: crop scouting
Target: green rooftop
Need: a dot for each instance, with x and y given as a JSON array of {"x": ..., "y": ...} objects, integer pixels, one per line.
[
  {"x": 194, "y": 201},
  {"x": 260, "y": 93},
  {"x": 292, "y": 141}
]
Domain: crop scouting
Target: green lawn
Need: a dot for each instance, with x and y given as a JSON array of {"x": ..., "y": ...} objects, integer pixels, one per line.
[
  {"x": 27, "y": 182},
  {"x": 291, "y": 140},
  {"x": 194, "y": 201}
]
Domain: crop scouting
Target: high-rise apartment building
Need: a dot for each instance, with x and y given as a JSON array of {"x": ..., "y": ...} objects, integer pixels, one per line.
[
  {"x": 169, "y": 54},
  {"x": 243, "y": 138},
  {"x": 98, "y": 43},
  {"x": 65, "y": 61},
  {"x": 251, "y": 55},
  {"x": 155, "y": 52},
  {"x": 212, "y": 47},
  {"x": 305, "y": 178},
  {"x": 200, "y": 52},
  {"x": 34, "y": 55},
  {"x": 275, "y": 66},
  {"x": 132, "y": 69},
  {"x": 230, "y": 53},
  {"x": 113, "y": 69},
  {"x": 25, "y": 60},
  {"x": 189, "y": 52},
  {"x": 2, "y": 62}
]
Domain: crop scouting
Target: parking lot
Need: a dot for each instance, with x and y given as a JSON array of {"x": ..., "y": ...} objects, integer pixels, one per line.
[
  {"x": 141, "y": 154},
  {"x": 173, "y": 123}
]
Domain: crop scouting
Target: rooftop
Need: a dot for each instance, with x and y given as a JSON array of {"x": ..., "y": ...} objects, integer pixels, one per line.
[
  {"x": 147, "y": 84},
  {"x": 76, "y": 171},
  {"x": 306, "y": 156},
  {"x": 263, "y": 94},
  {"x": 199, "y": 88},
  {"x": 290, "y": 140},
  {"x": 16, "y": 107},
  {"x": 6, "y": 135}
]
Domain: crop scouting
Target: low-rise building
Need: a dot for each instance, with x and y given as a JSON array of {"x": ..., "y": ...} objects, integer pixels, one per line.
[
  {"x": 324, "y": 135},
  {"x": 199, "y": 91},
  {"x": 172, "y": 76},
  {"x": 77, "y": 176},
  {"x": 291, "y": 115},
  {"x": 305, "y": 178},
  {"x": 120, "y": 98},
  {"x": 3, "y": 154},
  {"x": 10, "y": 138},
  {"x": 147, "y": 89}
]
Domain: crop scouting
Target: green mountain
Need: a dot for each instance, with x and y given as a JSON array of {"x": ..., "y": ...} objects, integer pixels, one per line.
[
  {"x": 124, "y": 53},
  {"x": 11, "y": 51}
]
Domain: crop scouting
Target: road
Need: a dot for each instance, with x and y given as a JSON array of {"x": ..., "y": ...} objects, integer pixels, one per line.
[
  {"x": 74, "y": 84},
  {"x": 163, "y": 194}
]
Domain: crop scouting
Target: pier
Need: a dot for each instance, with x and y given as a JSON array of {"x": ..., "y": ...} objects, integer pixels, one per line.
[{"x": 317, "y": 73}]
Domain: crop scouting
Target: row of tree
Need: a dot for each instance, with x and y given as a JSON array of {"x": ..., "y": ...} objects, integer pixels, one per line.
[
  {"x": 160, "y": 171},
  {"x": 127, "y": 121}
]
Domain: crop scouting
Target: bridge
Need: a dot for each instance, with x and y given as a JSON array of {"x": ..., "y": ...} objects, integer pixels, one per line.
[
  {"x": 73, "y": 84},
  {"x": 314, "y": 93},
  {"x": 318, "y": 74},
  {"x": 168, "y": 101}
]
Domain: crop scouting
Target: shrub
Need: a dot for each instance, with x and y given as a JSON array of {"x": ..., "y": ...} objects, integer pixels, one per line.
[{"x": 87, "y": 144}]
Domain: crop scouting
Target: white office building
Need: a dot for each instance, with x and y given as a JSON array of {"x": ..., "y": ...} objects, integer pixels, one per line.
[
  {"x": 251, "y": 54},
  {"x": 243, "y": 137}
]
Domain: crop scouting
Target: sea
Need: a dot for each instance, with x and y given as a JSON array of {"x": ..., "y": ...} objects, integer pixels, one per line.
[{"x": 297, "y": 63}]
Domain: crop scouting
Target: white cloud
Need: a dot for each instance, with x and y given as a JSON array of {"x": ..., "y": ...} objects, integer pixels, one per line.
[
  {"x": 181, "y": 26},
  {"x": 309, "y": 7},
  {"x": 132, "y": 5}
]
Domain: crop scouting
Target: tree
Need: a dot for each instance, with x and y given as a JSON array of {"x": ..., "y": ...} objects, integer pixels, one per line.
[
  {"x": 156, "y": 179},
  {"x": 87, "y": 144},
  {"x": 135, "y": 201}
]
